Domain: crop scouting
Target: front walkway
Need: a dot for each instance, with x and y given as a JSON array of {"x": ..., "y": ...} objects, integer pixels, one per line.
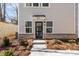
[{"x": 39, "y": 49}]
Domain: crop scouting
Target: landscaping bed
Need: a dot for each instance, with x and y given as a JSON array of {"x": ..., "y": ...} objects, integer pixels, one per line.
[
  {"x": 57, "y": 44},
  {"x": 16, "y": 47}
]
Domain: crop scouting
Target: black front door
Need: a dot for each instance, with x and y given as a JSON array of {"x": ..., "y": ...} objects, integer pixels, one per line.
[{"x": 39, "y": 30}]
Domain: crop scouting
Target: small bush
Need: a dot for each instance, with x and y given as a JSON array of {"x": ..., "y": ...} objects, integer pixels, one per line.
[
  {"x": 6, "y": 41},
  {"x": 6, "y": 52}
]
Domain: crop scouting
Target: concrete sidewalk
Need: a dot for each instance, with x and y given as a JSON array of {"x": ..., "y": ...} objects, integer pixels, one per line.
[{"x": 41, "y": 50}]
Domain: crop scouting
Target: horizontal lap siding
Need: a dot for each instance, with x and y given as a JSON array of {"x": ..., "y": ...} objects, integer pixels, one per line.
[{"x": 62, "y": 14}]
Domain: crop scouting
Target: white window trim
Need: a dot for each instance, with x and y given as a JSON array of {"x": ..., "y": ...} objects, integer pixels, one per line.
[
  {"x": 47, "y": 32},
  {"x": 45, "y": 7},
  {"x": 36, "y": 6},
  {"x": 49, "y": 27},
  {"x": 27, "y": 27},
  {"x": 27, "y": 6},
  {"x": 39, "y": 6}
]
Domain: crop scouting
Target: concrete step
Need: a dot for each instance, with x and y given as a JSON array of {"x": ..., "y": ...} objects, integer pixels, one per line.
[
  {"x": 39, "y": 42},
  {"x": 38, "y": 46}
]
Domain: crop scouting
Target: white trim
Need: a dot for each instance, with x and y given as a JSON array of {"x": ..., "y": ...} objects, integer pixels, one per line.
[
  {"x": 50, "y": 27},
  {"x": 43, "y": 19},
  {"x": 36, "y": 6},
  {"x": 27, "y": 6},
  {"x": 39, "y": 6},
  {"x": 45, "y": 7},
  {"x": 40, "y": 19},
  {"x": 27, "y": 27}
]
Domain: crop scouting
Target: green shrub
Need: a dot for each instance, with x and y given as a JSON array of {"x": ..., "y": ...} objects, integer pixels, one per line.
[
  {"x": 6, "y": 41},
  {"x": 8, "y": 52}
]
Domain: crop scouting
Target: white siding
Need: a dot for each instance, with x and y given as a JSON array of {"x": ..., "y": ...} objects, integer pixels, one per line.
[{"x": 62, "y": 14}]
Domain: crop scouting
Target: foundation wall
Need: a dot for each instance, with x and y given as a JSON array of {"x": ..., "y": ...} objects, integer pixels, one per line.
[{"x": 49, "y": 36}]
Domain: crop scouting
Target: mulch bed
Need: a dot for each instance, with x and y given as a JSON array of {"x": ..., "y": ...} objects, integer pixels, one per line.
[
  {"x": 19, "y": 50},
  {"x": 60, "y": 45}
]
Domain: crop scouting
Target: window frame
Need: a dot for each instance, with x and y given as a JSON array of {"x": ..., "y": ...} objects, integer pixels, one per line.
[
  {"x": 28, "y": 5},
  {"x": 45, "y": 6},
  {"x": 30, "y": 27},
  {"x": 29, "y": 24},
  {"x": 39, "y": 5},
  {"x": 36, "y": 3},
  {"x": 49, "y": 23},
  {"x": 47, "y": 27}
]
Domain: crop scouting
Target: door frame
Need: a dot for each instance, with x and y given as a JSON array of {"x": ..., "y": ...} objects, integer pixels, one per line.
[
  {"x": 42, "y": 28},
  {"x": 40, "y": 19}
]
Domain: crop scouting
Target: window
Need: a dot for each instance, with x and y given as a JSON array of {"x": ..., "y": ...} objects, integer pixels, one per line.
[
  {"x": 28, "y": 4},
  {"x": 49, "y": 30},
  {"x": 49, "y": 26},
  {"x": 45, "y": 4},
  {"x": 28, "y": 30},
  {"x": 28, "y": 26},
  {"x": 35, "y": 4}
]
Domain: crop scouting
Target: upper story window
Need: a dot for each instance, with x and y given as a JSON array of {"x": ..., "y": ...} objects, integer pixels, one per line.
[
  {"x": 35, "y": 4},
  {"x": 29, "y": 4},
  {"x": 45, "y": 4}
]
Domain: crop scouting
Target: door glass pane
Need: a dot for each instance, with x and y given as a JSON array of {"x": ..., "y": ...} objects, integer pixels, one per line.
[
  {"x": 39, "y": 30},
  {"x": 38, "y": 24}
]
